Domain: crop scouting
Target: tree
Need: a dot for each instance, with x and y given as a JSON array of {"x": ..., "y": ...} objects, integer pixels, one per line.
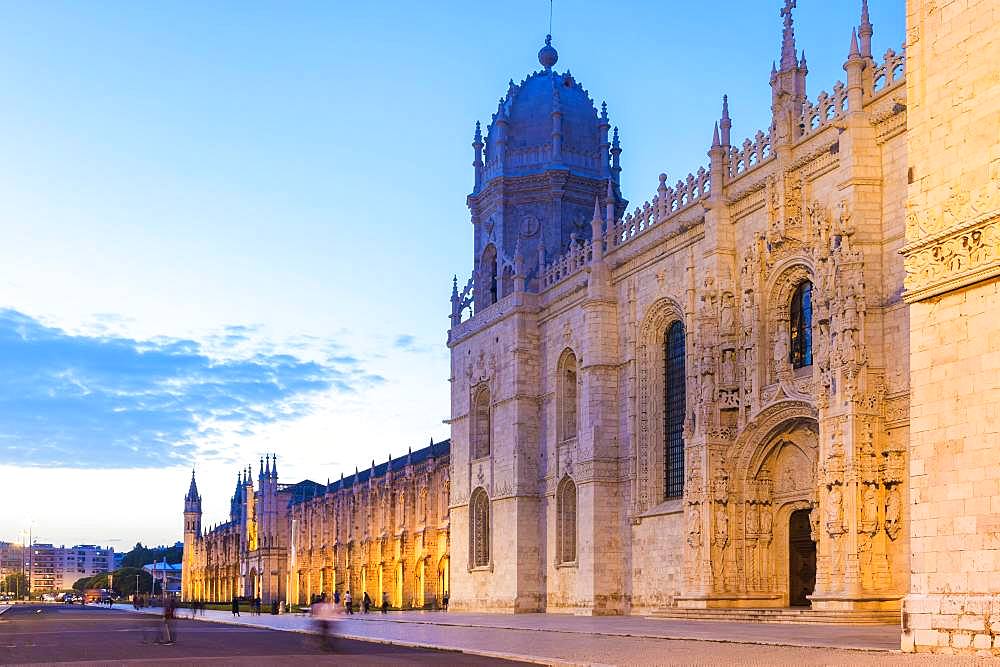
[
  {"x": 16, "y": 584},
  {"x": 123, "y": 580},
  {"x": 141, "y": 555}
]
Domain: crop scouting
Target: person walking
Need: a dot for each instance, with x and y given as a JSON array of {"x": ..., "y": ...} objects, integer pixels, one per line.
[
  {"x": 169, "y": 632},
  {"x": 366, "y": 602},
  {"x": 347, "y": 602},
  {"x": 256, "y": 606},
  {"x": 444, "y": 600},
  {"x": 236, "y": 606},
  {"x": 336, "y": 598},
  {"x": 385, "y": 602}
]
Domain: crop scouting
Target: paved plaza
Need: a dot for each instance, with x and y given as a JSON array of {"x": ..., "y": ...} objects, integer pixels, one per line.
[
  {"x": 574, "y": 640},
  {"x": 57, "y": 634}
]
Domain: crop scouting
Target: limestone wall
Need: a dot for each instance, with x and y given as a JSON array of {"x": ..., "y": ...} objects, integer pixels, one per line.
[{"x": 952, "y": 263}]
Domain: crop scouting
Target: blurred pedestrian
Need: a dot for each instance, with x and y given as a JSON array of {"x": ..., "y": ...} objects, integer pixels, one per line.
[
  {"x": 347, "y": 602},
  {"x": 169, "y": 635},
  {"x": 385, "y": 602},
  {"x": 366, "y": 602},
  {"x": 236, "y": 606}
]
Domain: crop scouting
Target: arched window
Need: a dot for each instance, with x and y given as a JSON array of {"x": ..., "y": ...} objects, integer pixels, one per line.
[
  {"x": 480, "y": 429},
  {"x": 674, "y": 392},
  {"x": 566, "y": 521},
  {"x": 800, "y": 326},
  {"x": 567, "y": 396},
  {"x": 479, "y": 529},
  {"x": 488, "y": 274}
]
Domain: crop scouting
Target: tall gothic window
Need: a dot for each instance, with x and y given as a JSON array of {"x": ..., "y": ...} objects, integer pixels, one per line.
[
  {"x": 566, "y": 521},
  {"x": 488, "y": 274},
  {"x": 480, "y": 427},
  {"x": 567, "y": 397},
  {"x": 800, "y": 326},
  {"x": 479, "y": 535},
  {"x": 674, "y": 391}
]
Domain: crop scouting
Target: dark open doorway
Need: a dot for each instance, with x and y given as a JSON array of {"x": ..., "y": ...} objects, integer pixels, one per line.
[{"x": 801, "y": 559}]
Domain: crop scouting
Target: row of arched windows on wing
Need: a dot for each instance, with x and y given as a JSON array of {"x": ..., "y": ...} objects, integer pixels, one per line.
[{"x": 480, "y": 525}]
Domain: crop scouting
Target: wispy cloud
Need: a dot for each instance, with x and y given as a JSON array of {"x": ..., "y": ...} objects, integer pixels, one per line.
[{"x": 98, "y": 399}]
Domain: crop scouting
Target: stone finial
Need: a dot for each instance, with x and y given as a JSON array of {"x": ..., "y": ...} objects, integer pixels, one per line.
[
  {"x": 548, "y": 56},
  {"x": 855, "y": 51},
  {"x": 267, "y": 466},
  {"x": 866, "y": 31},
  {"x": 274, "y": 467},
  {"x": 802, "y": 62},
  {"x": 788, "y": 60},
  {"x": 726, "y": 124},
  {"x": 477, "y": 138},
  {"x": 716, "y": 143},
  {"x": 604, "y": 111}
]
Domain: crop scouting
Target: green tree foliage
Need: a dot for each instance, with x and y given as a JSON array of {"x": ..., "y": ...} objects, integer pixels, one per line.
[
  {"x": 141, "y": 555},
  {"x": 15, "y": 583},
  {"x": 123, "y": 580}
]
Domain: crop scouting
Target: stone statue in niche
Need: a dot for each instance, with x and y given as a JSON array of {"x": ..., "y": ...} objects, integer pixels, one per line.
[
  {"x": 869, "y": 510},
  {"x": 780, "y": 349},
  {"x": 728, "y": 315},
  {"x": 694, "y": 527},
  {"x": 893, "y": 512},
  {"x": 766, "y": 520},
  {"x": 835, "y": 511},
  {"x": 746, "y": 317},
  {"x": 753, "y": 519},
  {"x": 720, "y": 539},
  {"x": 728, "y": 367}
]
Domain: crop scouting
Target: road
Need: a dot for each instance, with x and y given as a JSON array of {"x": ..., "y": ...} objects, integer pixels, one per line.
[{"x": 58, "y": 633}]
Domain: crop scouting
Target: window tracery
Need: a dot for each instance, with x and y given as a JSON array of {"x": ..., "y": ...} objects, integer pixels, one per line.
[
  {"x": 567, "y": 396},
  {"x": 566, "y": 521},
  {"x": 480, "y": 428},
  {"x": 479, "y": 535},
  {"x": 800, "y": 326},
  {"x": 674, "y": 404}
]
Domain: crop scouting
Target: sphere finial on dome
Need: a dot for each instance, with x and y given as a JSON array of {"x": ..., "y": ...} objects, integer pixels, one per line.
[{"x": 548, "y": 56}]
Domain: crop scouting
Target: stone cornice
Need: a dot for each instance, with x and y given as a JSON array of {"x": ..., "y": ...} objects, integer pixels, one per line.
[{"x": 952, "y": 258}]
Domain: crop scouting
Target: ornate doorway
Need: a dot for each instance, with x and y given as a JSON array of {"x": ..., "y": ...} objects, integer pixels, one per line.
[{"x": 801, "y": 559}]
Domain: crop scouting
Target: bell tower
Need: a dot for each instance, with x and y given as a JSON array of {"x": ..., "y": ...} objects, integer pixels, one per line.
[{"x": 192, "y": 531}]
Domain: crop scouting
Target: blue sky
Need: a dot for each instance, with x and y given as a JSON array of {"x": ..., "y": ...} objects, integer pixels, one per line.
[{"x": 230, "y": 228}]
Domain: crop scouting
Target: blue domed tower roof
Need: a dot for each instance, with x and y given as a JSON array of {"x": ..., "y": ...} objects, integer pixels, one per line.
[
  {"x": 548, "y": 121},
  {"x": 546, "y": 158}
]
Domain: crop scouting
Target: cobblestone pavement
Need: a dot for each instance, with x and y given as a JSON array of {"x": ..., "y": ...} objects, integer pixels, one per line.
[{"x": 558, "y": 639}]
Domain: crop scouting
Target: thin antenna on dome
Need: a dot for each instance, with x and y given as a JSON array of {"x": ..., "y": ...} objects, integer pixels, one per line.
[{"x": 550, "y": 16}]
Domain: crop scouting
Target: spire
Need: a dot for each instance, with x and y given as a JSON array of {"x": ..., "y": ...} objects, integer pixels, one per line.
[
  {"x": 274, "y": 466},
  {"x": 855, "y": 51},
  {"x": 192, "y": 493},
  {"x": 267, "y": 466},
  {"x": 788, "y": 60},
  {"x": 715, "y": 137},
  {"x": 477, "y": 138},
  {"x": 260, "y": 475},
  {"x": 726, "y": 124},
  {"x": 610, "y": 202},
  {"x": 866, "y": 31}
]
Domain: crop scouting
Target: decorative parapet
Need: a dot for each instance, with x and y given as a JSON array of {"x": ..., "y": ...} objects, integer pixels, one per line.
[
  {"x": 827, "y": 109},
  {"x": 954, "y": 247},
  {"x": 577, "y": 257},
  {"x": 890, "y": 72},
  {"x": 665, "y": 205},
  {"x": 668, "y": 202},
  {"x": 744, "y": 159}
]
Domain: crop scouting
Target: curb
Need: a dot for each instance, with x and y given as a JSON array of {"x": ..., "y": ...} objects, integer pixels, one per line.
[{"x": 5, "y": 608}]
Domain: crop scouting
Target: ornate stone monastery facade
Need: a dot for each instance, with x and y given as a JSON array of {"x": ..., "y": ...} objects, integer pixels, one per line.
[
  {"x": 378, "y": 530},
  {"x": 703, "y": 402}
]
